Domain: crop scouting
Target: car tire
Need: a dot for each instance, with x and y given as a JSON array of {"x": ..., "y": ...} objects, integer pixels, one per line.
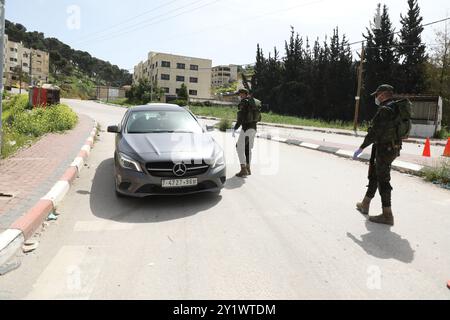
[{"x": 119, "y": 195}]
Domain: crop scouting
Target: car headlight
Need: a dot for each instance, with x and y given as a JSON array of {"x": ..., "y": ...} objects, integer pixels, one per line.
[
  {"x": 127, "y": 163},
  {"x": 219, "y": 160}
]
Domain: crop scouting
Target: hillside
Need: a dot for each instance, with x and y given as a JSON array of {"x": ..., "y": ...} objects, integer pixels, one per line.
[{"x": 77, "y": 72}]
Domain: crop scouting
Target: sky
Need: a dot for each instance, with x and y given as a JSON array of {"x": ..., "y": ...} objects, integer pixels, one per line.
[{"x": 225, "y": 31}]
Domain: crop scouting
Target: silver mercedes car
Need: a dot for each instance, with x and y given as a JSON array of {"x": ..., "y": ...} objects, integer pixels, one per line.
[{"x": 162, "y": 149}]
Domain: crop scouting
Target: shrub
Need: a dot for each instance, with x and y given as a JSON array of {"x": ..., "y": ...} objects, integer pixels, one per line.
[
  {"x": 179, "y": 102},
  {"x": 40, "y": 121},
  {"x": 439, "y": 173},
  {"x": 224, "y": 125}
]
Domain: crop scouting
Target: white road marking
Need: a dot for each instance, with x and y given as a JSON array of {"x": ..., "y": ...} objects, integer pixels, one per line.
[
  {"x": 72, "y": 274},
  {"x": 95, "y": 226}
]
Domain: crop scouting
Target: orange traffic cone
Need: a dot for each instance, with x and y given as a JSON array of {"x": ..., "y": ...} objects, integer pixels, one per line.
[
  {"x": 427, "y": 150},
  {"x": 447, "y": 149}
]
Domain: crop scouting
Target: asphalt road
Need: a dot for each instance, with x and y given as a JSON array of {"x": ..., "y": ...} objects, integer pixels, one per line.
[{"x": 290, "y": 231}]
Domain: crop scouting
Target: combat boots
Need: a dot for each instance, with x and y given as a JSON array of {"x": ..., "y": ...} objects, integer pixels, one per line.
[
  {"x": 243, "y": 173},
  {"x": 249, "y": 170},
  {"x": 364, "y": 206},
  {"x": 386, "y": 218}
]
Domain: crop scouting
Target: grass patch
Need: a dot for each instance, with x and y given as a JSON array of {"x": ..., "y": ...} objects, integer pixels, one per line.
[
  {"x": 229, "y": 113},
  {"x": 22, "y": 125},
  {"x": 439, "y": 174}
]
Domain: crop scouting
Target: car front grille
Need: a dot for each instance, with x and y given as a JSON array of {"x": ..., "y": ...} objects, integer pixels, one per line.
[
  {"x": 207, "y": 185},
  {"x": 165, "y": 169}
]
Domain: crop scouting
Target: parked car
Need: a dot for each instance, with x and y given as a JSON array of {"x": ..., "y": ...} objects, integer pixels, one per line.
[{"x": 162, "y": 149}]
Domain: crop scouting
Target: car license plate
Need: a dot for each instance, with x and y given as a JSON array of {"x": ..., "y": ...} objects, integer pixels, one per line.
[{"x": 180, "y": 183}]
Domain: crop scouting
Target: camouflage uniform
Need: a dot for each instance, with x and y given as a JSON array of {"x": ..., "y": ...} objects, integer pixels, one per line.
[{"x": 384, "y": 151}]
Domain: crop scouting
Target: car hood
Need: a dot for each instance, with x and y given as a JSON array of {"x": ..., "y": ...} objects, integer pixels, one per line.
[{"x": 168, "y": 146}]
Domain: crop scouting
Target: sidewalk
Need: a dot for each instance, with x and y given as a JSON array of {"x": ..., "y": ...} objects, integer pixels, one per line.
[{"x": 30, "y": 174}]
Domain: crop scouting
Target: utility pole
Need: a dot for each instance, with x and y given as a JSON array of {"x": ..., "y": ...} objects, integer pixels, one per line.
[
  {"x": 20, "y": 76},
  {"x": 2, "y": 60},
  {"x": 360, "y": 81}
]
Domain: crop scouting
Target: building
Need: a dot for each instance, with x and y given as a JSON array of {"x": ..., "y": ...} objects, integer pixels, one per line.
[
  {"x": 169, "y": 72},
  {"x": 33, "y": 64},
  {"x": 223, "y": 75}
]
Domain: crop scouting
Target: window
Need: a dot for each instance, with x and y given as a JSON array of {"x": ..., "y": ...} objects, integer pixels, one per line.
[
  {"x": 194, "y": 67},
  {"x": 193, "y": 92},
  {"x": 177, "y": 91},
  {"x": 25, "y": 64},
  {"x": 165, "y": 64},
  {"x": 166, "y": 90},
  {"x": 193, "y": 80},
  {"x": 180, "y": 78},
  {"x": 181, "y": 66},
  {"x": 25, "y": 55},
  {"x": 12, "y": 59},
  {"x": 39, "y": 70},
  {"x": 165, "y": 76}
]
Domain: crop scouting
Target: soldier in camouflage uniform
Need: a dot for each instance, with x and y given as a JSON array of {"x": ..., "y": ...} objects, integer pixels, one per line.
[
  {"x": 386, "y": 148},
  {"x": 247, "y": 136}
]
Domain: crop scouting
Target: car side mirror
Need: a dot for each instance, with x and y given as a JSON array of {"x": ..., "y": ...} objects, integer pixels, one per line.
[{"x": 113, "y": 129}]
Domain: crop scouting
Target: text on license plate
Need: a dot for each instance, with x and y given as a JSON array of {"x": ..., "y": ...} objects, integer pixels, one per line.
[{"x": 180, "y": 183}]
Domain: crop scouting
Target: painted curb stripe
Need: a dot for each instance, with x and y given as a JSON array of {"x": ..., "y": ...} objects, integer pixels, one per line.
[
  {"x": 70, "y": 175},
  {"x": 78, "y": 163},
  {"x": 83, "y": 154},
  {"x": 345, "y": 153},
  {"x": 407, "y": 166},
  {"x": 32, "y": 220},
  {"x": 87, "y": 149},
  {"x": 310, "y": 145},
  {"x": 332, "y": 150},
  {"x": 57, "y": 193}
]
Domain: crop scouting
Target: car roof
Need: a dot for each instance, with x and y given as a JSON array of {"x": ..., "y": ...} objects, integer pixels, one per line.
[{"x": 157, "y": 107}]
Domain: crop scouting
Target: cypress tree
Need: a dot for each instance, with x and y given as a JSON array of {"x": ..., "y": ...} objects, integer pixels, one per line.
[{"x": 412, "y": 51}]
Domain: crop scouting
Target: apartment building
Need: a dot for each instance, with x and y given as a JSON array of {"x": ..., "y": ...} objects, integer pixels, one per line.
[
  {"x": 223, "y": 75},
  {"x": 34, "y": 63},
  {"x": 170, "y": 71}
]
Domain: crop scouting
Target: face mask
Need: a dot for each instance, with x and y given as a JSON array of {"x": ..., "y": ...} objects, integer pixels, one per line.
[{"x": 377, "y": 102}]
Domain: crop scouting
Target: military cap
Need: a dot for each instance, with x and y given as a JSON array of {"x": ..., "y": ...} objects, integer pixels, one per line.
[{"x": 383, "y": 88}]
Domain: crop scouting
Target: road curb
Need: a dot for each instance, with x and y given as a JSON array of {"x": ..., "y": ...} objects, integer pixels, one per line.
[
  {"x": 328, "y": 130},
  {"x": 23, "y": 229},
  {"x": 401, "y": 166}
]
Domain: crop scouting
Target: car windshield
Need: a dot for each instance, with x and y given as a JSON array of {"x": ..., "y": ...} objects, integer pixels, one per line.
[{"x": 141, "y": 122}]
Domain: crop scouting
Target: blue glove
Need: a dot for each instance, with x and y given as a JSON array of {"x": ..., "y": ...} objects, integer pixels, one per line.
[{"x": 357, "y": 153}]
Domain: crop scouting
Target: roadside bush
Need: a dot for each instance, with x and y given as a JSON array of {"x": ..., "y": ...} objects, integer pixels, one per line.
[
  {"x": 438, "y": 174},
  {"x": 181, "y": 103},
  {"x": 224, "y": 125},
  {"x": 41, "y": 121}
]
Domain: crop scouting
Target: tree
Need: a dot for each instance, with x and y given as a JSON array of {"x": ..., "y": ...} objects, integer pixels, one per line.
[
  {"x": 183, "y": 93},
  {"x": 381, "y": 59},
  {"x": 412, "y": 52}
]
